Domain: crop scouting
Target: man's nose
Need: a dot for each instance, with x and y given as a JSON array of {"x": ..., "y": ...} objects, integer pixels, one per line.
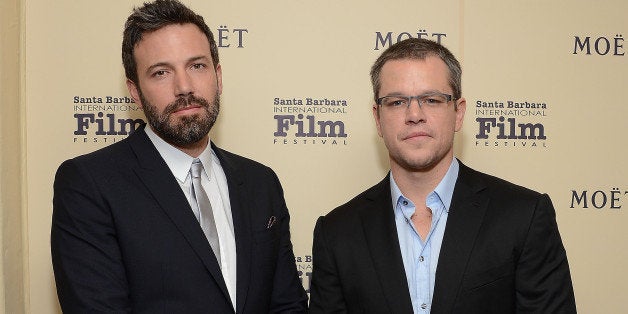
[{"x": 183, "y": 84}]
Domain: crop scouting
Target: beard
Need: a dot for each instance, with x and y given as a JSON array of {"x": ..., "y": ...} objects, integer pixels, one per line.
[{"x": 187, "y": 130}]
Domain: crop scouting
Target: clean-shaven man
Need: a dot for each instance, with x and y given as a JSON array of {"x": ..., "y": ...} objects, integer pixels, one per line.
[{"x": 434, "y": 235}]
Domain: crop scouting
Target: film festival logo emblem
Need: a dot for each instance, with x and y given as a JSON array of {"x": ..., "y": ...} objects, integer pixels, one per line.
[
  {"x": 105, "y": 119},
  {"x": 309, "y": 121},
  {"x": 510, "y": 124}
]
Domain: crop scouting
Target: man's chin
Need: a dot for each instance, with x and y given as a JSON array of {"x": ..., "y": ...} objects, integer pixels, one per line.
[
  {"x": 185, "y": 142},
  {"x": 417, "y": 163}
]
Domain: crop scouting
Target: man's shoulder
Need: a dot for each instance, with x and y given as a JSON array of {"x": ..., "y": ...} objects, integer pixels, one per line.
[
  {"x": 115, "y": 158},
  {"x": 494, "y": 185},
  {"x": 237, "y": 159},
  {"x": 248, "y": 166},
  {"x": 367, "y": 198},
  {"x": 112, "y": 163},
  {"x": 105, "y": 154}
]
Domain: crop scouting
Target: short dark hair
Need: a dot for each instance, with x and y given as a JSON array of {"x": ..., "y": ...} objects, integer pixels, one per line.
[
  {"x": 154, "y": 16},
  {"x": 414, "y": 48}
]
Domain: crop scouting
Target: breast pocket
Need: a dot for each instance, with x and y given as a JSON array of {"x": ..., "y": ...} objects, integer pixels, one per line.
[
  {"x": 266, "y": 251},
  {"x": 266, "y": 236},
  {"x": 267, "y": 229}
]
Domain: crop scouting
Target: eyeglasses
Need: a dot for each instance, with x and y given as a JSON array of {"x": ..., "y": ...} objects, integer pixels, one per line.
[{"x": 429, "y": 102}]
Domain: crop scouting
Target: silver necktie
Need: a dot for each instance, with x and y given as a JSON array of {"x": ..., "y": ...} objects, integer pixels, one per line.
[{"x": 205, "y": 213}]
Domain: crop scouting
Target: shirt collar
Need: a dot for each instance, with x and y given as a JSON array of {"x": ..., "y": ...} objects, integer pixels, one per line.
[
  {"x": 444, "y": 190},
  {"x": 178, "y": 161}
]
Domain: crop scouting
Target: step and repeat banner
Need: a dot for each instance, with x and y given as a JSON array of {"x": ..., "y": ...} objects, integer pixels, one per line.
[{"x": 544, "y": 83}]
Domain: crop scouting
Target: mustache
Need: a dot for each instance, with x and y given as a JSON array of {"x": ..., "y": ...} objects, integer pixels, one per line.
[{"x": 184, "y": 102}]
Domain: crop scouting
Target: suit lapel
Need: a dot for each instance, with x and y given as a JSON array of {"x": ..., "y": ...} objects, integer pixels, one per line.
[
  {"x": 156, "y": 176},
  {"x": 241, "y": 225},
  {"x": 466, "y": 213},
  {"x": 378, "y": 221}
]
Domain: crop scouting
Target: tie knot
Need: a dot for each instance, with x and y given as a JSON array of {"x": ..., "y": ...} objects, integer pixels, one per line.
[{"x": 197, "y": 167}]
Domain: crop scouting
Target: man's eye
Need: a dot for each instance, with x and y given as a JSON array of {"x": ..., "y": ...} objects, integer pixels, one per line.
[
  {"x": 159, "y": 73},
  {"x": 434, "y": 100},
  {"x": 199, "y": 66},
  {"x": 396, "y": 102}
]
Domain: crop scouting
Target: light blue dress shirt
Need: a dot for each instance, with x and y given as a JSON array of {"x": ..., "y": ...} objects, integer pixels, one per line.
[{"x": 420, "y": 258}]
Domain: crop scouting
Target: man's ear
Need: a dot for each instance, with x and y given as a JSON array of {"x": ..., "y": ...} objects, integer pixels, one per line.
[
  {"x": 134, "y": 92},
  {"x": 376, "y": 117},
  {"x": 219, "y": 78},
  {"x": 461, "y": 107}
]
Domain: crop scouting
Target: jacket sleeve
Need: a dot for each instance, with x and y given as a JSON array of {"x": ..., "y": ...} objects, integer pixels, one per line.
[
  {"x": 288, "y": 295},
  {"x": 86, "y": 258},
  {"x": 543, "y": 282},
  {"x": 326, "y": 295}
]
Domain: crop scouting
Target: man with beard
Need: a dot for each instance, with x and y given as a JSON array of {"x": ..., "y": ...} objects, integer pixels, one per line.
[
  {"x": 435, "y": 236},
  {"x": 165, "y": 221}
]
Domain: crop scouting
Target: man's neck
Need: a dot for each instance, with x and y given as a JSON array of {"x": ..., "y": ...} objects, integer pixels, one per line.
[
  {"x": 416, "y": 184},
  {"x": 195, "y": 149}
]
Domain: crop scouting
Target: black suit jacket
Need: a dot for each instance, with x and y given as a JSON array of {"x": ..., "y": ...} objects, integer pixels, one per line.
[
  {"x": 124, "y": 238},
  {"x": 501, "y": 253}
]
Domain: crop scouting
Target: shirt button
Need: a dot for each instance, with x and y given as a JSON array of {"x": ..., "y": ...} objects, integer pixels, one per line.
[
  {"x": 405, "y": 202},
  {"x": 423, "y": 306},
  {"x": 421, "y": 259}
]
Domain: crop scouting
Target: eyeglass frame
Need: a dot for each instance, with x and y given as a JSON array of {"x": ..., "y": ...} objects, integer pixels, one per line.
[{"x": 448, "y": 97}]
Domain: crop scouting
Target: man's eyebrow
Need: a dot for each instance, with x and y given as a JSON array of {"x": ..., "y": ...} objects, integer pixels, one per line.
[
  {"x": 157, "y": 65},
  {"x": 204, "y": 58},
  {"x": 425, "y": 93},
  {"x": 169, "y": 65}
]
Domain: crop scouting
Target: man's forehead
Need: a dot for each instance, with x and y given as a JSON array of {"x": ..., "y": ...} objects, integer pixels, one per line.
[
  {"x": 172, "y": 30},
  {"x": 427, "y": 59},
  {"x": 172, "y": 40}
]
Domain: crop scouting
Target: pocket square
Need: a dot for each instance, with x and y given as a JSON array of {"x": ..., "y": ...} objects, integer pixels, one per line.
[{"x": 271, "y": 222}]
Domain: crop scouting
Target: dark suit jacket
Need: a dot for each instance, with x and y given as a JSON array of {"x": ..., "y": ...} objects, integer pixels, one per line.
[
  {"x": 124, "y": 238},
  {"x": 501, "y": 253}
]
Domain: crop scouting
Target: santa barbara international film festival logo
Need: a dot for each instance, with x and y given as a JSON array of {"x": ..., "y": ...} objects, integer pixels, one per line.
[
  {"x": 310, "y": 121},
  {"x": 104, "y": 119},
  {"x": 510, "y": 123}
]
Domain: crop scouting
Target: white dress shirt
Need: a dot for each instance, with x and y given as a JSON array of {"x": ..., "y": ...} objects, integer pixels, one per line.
[{"x": 214, "y": 182}]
